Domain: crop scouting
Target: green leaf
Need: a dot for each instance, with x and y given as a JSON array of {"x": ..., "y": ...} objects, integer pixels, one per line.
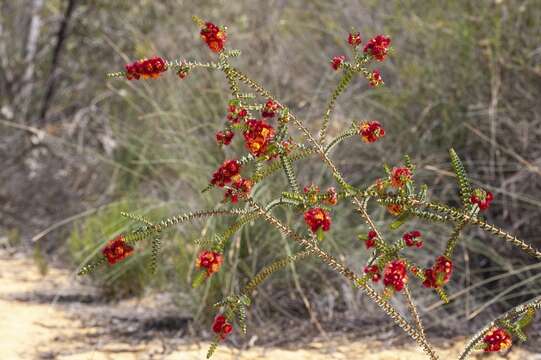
[
  {"x": 400, "y": 221},
  {"x": 320, "y": 234},
  {"x": 199, "y": 279},
  {"x": 464, "y": 185}
]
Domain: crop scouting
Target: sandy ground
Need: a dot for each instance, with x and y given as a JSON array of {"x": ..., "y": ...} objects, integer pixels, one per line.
[{"x": 43, "y": 330}]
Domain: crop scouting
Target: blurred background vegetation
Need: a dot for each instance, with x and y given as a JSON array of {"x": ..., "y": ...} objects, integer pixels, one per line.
[{"x": 76, "y": 149}]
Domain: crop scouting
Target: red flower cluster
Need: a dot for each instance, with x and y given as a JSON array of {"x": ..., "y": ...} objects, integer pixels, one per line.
[
  {"x": 117, "y": 250},
  {"x": 439, "y": 274},
  {"x": 371, "y": 131},
  {"x": 224, "y": 137},
  {"x": 410, "y": 239},
  {"x": 395, "y": 275},
  {"x": 146, "y": 68},
  {"x": 258, "y": 136},
  {"x": 378, "y": 47},
  {"x": 354, "y": 39},
  {"x": 482, "y": 198},
  {"x": 240, "y": 189},
  {"x": 317, "y": 218},
  {"x": 270, "y": 109},
  {"x": 371, "y": 239},
  {"x": 331, "y": 198},
  {"x": 374, "y": 270},
  {"x": 497, "y": 339},
  {"x": 228, "y": 172},
  {"x": 209, "y": 260},
  {"x": 214, "y": 37},
  {"x": 221, "y": 326},
  {"x": 337, "y": 61},
  {"x": 375, "y": 79},
  {"x": 236, "y": 113},
  {"x": 400, "y": 176}
]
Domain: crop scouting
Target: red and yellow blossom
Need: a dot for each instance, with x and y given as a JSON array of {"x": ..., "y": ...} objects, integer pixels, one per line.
[
  {"x": 258, "y": 136},
  {"x": 210, "y": 261},
  {"x": 400, "y": 176},
  {"x": 227, "y": 173},
  {"x": 375, "y": 79},
  {"x": 214, "y": 37},
  {"x": 371, "y": 131},
  {"x": 395, "y": 209},
  {"x": 117, "y": 250},
  {"x": 497, "y": 339},
  {"x": 146, "y": 68},
  {"x": 317, "y": 218}
]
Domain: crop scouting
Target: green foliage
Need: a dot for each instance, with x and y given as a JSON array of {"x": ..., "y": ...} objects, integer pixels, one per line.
[{"x": 462, "y": 179}]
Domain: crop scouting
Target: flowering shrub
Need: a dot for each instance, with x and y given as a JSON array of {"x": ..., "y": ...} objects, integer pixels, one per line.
[{"x": 271, "y": 146}]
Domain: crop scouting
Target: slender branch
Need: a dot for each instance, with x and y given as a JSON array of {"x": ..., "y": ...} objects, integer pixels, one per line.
[
  {"x": 350, "y": 275},
  {"x": 413, "y": 311}
]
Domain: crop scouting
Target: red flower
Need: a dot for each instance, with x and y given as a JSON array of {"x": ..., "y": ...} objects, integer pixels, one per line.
[
  {"x": 482, "y": 198},
  {"x": 378, "y": 47},
  {"x": 439, "y": 274},
  {"x": 354, "y": 39},
  {"x": 221, "y": 326},
  {"x": 337, "y": 61},
  {"x": 117, "y": 250},
  {"x": 241, "y": 188},
  {"x": 395, "y": 275},
  {"x": 214, "y": 37},
  {"x": 209, "y": 260},
  {"x": 258, "y": 136},
  {"x": 236, "y": 113},
  {"x": 371, "y": 240},
  {"x": 497, "y": 339},
  {"x": 331, "y": 197},
  {"x": 270, "y": 108},
  {"x": 374, "y": 270},
  {"x": 394, "y": 209},
  {"x": 317, "y": 218},
  {"x": 410, "y": 239},
  {"x": 224, "y": 137},
  {"x": 146, "y": 68},
  {"x": 226, "y": 173},
  {"x": 375, "y": 79},
  {"x": 371, "y": 131},
  {"x": 400, "y": 176}
]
